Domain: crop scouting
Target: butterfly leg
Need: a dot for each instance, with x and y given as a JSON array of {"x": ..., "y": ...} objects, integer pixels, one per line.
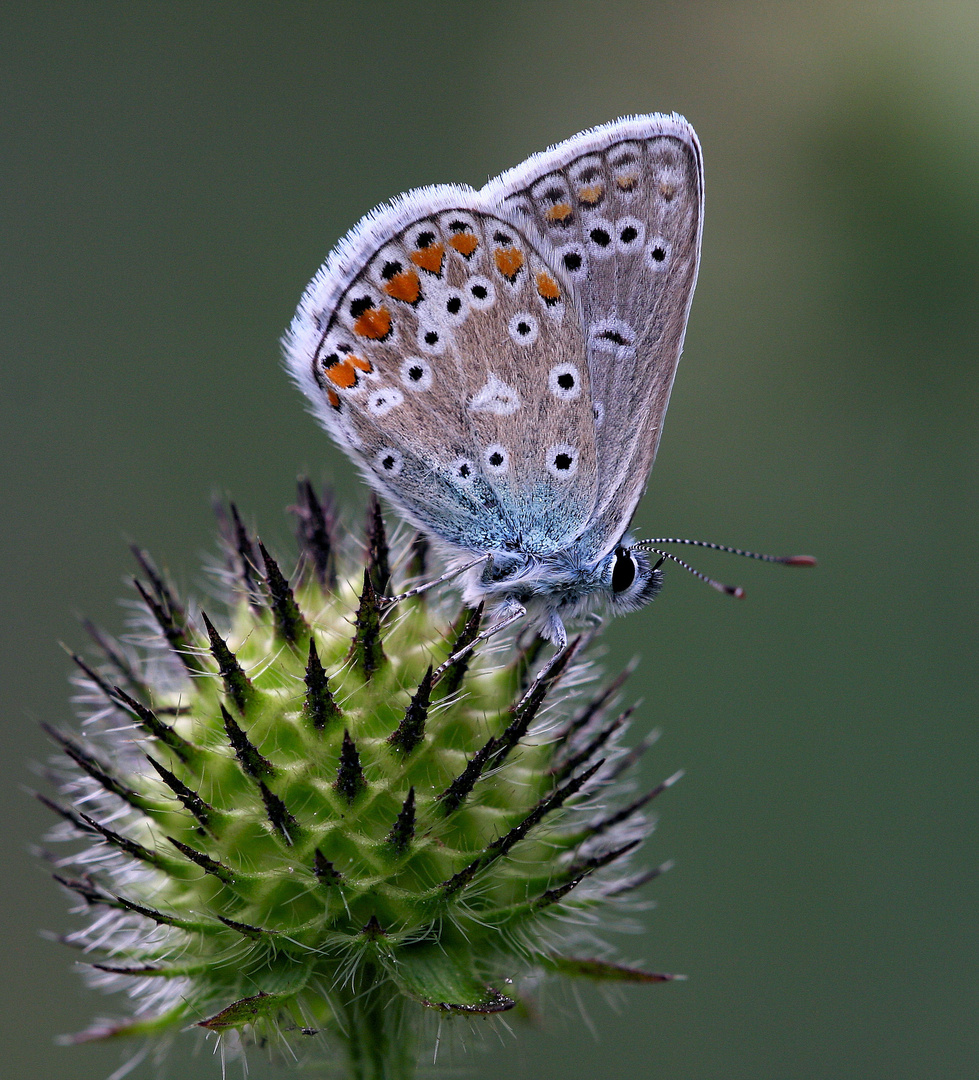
[
  {"x": 385, "y": 601},
  {"x": 512, "y": 610},
  {"x": 555, "y": 632}
]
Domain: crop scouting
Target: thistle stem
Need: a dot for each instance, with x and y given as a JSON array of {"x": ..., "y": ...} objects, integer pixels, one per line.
[{"x": 379, "y": 1044}]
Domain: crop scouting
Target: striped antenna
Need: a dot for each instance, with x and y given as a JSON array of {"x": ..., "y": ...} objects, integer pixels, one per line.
[{"x": 731, "y": 590}]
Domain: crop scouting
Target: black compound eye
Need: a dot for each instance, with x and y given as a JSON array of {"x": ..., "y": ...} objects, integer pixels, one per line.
[{"x": 623, "y": 570}]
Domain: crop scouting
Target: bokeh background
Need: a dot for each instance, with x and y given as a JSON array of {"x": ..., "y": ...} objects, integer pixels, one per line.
[{"x": 170, "y": 177}]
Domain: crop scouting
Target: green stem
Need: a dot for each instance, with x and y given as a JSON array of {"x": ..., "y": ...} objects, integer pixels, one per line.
[{"x": 379, "y": 1041}]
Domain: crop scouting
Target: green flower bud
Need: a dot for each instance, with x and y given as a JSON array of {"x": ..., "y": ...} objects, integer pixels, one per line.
[{"x": 322, "y": 813}]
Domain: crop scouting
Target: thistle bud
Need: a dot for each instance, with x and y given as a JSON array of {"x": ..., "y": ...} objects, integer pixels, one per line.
[{"x": 318, "y": 813}]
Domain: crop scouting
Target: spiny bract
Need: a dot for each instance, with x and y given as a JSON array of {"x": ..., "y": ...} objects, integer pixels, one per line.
[{"x": 326, "y": 812}]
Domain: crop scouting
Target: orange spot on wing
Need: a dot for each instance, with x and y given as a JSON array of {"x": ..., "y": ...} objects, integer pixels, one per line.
[
  {"x": 342, "y": 375},
  {"x": 548, "y": 287},
  {"x": 333, "y": 397},
  {"x": 404, "y": 286},
  {"x": 508, "y": 261},
  {"x": 627, "y": 181},
  {"x": 465, "y": 243},
  {"x": 591, "y": 194},
  {"x": 560, "y": 212},
  {"x": 358, "y": 362},
  {"x": 429, "y": 258},
  {"x": 374, "y": 323}
]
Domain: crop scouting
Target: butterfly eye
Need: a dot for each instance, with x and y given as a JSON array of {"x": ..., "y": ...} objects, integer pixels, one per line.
[
  {"x": 633, "y": 581},
  {"x": 623, "y": 570}
]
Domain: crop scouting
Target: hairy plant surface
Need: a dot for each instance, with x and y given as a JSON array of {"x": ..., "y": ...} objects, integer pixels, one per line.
[{"x": 318, "y": 812}]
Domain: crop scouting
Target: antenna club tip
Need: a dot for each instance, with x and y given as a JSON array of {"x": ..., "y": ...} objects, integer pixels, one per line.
[
  {"x": 736, "y": 591},
  {"x": 799, "y": 560}
]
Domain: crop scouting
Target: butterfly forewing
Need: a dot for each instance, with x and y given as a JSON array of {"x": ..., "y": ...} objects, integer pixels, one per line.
[
  {"x": 620, "y": 210},
  {"x": 450, "y": 364}
]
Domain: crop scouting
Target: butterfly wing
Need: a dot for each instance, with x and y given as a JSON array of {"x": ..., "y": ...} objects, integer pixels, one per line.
[
  {"x": 621, "y": 210},
  {"x": 445, "y": 357}
]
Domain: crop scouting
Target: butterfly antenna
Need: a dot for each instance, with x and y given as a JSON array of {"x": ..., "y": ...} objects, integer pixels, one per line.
[
  {"x": 786, "y": 560},
  {"x": 731, "y": 590}
]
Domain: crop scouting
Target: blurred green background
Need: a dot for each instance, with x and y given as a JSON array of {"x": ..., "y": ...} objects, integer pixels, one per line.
[{"x": 171, "y": 176}]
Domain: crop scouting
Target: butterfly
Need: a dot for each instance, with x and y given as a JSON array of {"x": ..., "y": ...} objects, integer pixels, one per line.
[{"x": 498, "y": 363}]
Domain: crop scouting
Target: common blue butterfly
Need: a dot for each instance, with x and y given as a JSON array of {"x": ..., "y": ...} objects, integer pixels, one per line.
[{"x": 498, "y": 363}]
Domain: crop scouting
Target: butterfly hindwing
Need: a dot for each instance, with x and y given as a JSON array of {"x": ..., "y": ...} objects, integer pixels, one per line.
[{"x": 446, "y": 357}]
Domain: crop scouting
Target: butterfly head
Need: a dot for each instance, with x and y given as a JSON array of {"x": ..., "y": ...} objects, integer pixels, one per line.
[
  {"x": 562, "y": 586},
  {"x": 630, "y": 579}
]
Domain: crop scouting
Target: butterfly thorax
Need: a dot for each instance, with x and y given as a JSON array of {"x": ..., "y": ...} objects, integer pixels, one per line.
[
  {"x": 525, "y": 575},
  {"x": 563, "y": 585}
]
